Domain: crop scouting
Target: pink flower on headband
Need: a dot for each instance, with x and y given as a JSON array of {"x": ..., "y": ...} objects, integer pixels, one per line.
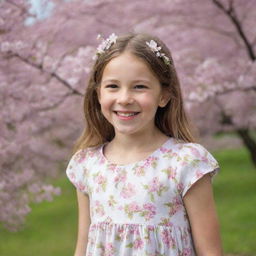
[
  {"x": 156, "y": 49},
  {"x": 105, "y": 44}
]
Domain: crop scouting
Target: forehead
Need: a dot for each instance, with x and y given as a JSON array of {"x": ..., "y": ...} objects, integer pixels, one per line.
[{"x": 127, "y": 66}]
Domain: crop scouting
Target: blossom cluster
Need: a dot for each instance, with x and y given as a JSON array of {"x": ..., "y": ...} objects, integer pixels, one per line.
[
  {"x": 105, "y": 45},
  {"x": 156, "y": 49}
]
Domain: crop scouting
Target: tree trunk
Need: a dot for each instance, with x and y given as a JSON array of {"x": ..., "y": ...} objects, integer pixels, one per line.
[{"x": 249, "y": 142}]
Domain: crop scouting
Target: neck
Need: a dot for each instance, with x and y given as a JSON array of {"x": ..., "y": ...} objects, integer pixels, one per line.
[{"x": 147, "y": 140}]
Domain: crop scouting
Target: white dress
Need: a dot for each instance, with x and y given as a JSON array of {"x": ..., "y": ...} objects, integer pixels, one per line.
[{"x": 137, "y": 209}]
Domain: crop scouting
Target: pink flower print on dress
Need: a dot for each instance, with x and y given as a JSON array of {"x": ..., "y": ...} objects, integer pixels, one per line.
[
  {"x": 91, "y": 153},
  {"x": 166, "y": 222},
  {"x": 175, "y": 205},
  {"x": 150, "y": 228},
  {"x": 170, "y": 154},
  {"x": 98, "y": 208},
  {"x": 111, "y": 201},
  {"x": 195, "y": 152},
  {"x": 138, "y": 244},
  {"x": 80, "y": 157},
  {"x": 171, "y": 173},
  {"x": 151, "y": 161},
  {"x": 148, "y": 211},
  {"x": 186, "y": 252},
  {"x": 101, "y": 181},
  {"x": 112, "y": 167},
  {"x": 186, "y": 159},
  {"x": 180, "y": 188},
  {"x": 167, "y": 239},
  {"x": 154, "y": 187},
  {"x": 120, "y": 177},
  {"x": 133, "y": 229},
  {"x": 134, "y": 207},
  {"x": 109, "y": 250},
  {"x": 128, "y": 191},
  {"x": 147, "y": 230},
  {"x": 121, "y": 234},
  {"x": 131, "y": 208},
  {"x": 139, "y": 171},
  {"x": 164, "y": 150},
  {"x": 199, "y": 155},
  {"x": 80, "y": 185},
  {"x": 177, "y": 200}
]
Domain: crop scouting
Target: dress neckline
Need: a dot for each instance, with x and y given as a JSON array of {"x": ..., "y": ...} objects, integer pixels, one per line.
[{"x": 170, "y": 139}]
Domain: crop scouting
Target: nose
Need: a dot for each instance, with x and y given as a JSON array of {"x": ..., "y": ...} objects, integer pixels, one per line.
[{"x": 125, "y": 97}]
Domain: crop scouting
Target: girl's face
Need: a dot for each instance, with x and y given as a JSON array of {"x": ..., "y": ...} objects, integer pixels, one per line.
[{"x": 129, "y": 95}]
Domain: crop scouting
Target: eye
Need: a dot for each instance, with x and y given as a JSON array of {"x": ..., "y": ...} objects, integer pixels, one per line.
[
  {"x": 140, "y": 86},
  {"x": 112, "y": 86}
]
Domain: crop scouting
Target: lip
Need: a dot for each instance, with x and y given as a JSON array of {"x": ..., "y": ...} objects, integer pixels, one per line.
[
  {"x": 131, "y": 117},
  {"x": 126, "y": 111}
]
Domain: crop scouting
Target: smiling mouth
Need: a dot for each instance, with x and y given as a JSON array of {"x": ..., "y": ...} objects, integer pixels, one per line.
[{"x": 126, "y": 114}]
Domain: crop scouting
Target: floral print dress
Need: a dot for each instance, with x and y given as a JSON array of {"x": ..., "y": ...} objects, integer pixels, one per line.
[{"x": 137, "y": 209}]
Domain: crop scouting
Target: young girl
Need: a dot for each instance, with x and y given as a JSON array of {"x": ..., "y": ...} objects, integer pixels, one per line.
[{"x": 143, "y": 184}]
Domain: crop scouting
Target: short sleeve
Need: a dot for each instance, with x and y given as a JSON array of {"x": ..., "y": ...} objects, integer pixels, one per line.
[
  {"x": 76, "y": 171},
  {"x": 196, "y": 161}
]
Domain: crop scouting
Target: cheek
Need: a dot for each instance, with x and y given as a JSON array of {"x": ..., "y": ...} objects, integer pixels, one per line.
[
  {"x": 105, "y": 102},
  {"x": 149, "y": 102}
]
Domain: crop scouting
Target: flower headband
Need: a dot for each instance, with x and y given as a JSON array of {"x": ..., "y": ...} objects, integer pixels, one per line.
[
  {"x": 156, "y": 49},
  {"x": 106, "y": 44}
]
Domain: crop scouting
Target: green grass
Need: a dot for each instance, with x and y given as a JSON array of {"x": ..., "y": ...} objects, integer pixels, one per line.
[
  {"x": 49, "y": 230},
  {"x": 235, "y": 194},
  {"x": 51, "y": 227}
]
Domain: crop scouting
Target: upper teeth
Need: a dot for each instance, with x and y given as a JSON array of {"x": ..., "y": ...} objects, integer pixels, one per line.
[{"x": 126, "y": 114}]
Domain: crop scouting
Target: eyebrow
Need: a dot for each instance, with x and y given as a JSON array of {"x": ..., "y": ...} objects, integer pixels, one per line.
[{"x": 133, "y": 81}]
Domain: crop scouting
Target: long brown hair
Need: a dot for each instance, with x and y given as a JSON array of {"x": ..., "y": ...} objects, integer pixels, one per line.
[{"x": 171, "y": 119}]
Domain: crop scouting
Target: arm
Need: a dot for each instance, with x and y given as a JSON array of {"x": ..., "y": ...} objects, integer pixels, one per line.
[
  {"x": 83, "y": 223},
  {"x": 200, "y": 206}
]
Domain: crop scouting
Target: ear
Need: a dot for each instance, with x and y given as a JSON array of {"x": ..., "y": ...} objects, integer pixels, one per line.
[{"x": 164, "y": 99}]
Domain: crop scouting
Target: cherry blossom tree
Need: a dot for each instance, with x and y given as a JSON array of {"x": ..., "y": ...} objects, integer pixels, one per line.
[{"x": 45, "y": 64}]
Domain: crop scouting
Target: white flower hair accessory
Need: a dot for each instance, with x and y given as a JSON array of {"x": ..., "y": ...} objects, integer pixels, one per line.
[
  {"x": 105, "y": 44},
  {"x": 156, "y": 49}
]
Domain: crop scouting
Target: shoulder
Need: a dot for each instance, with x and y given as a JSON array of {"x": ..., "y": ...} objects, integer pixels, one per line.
[
  {"x": 193, "y": 162},
  {"x": 78, "y": 166},
  {"x": 80, "y": 162},
  {"x": 83, "y": 155},
  {"x": 191, "y": 151}
]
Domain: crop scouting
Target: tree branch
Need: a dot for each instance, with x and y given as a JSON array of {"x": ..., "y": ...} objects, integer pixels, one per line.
[
  {"x": 230, "y": 12},
  {"x": 53, "y": 74}
]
